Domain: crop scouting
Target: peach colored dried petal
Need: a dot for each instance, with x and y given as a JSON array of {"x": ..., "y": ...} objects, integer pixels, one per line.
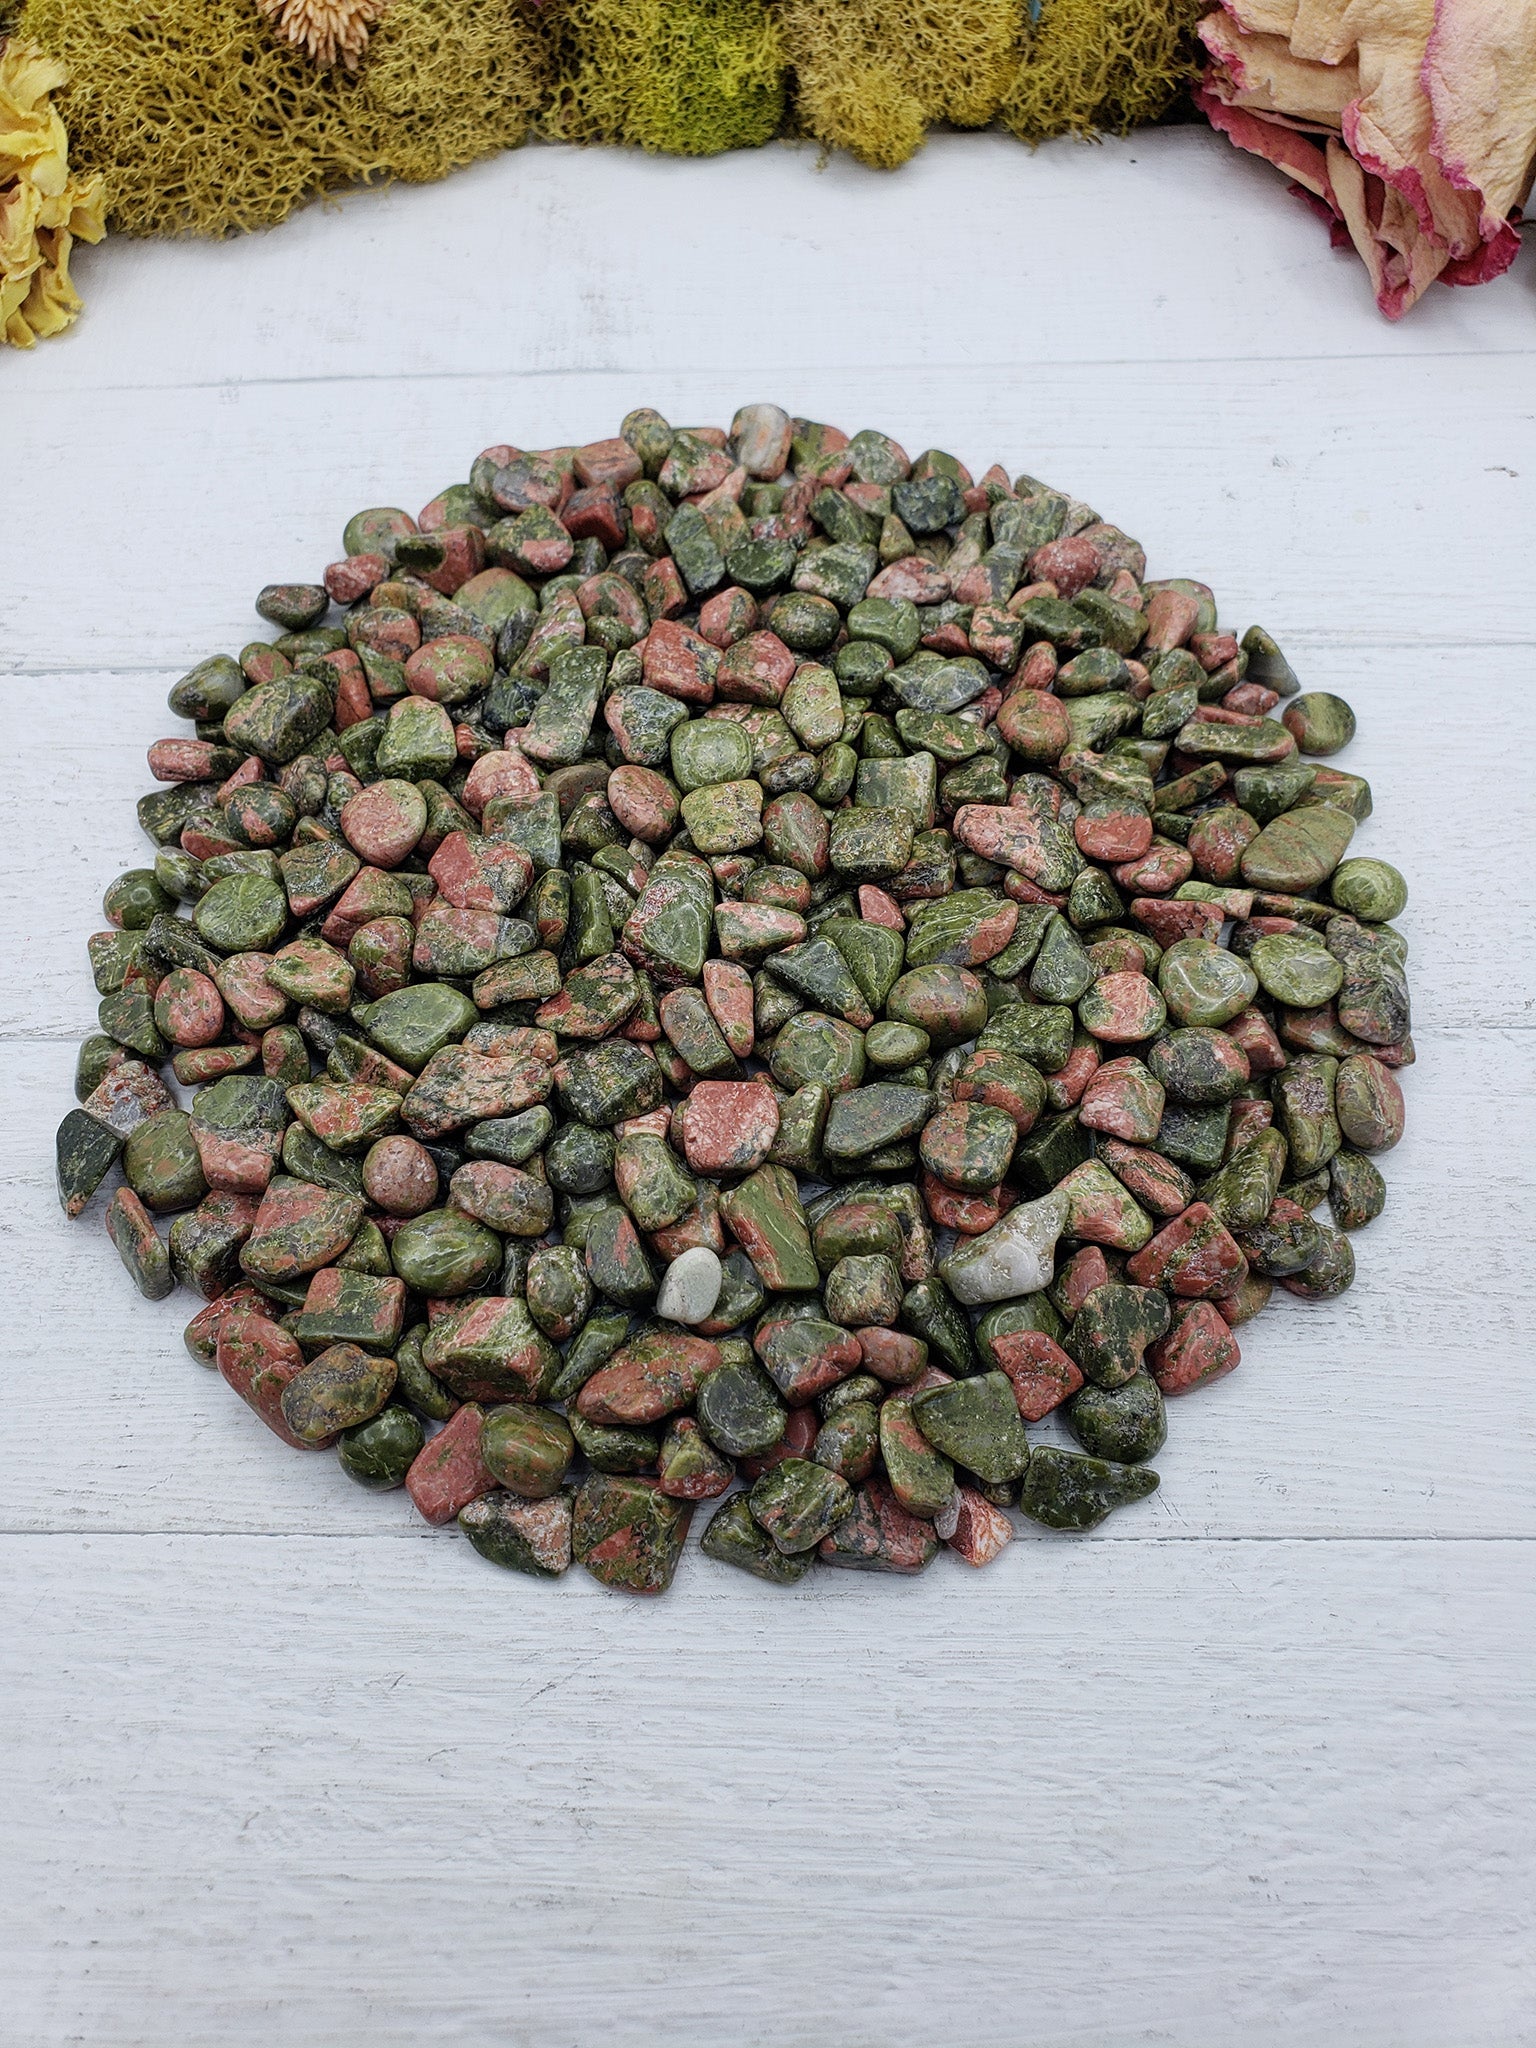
[{"x": 1424, "y": 114}]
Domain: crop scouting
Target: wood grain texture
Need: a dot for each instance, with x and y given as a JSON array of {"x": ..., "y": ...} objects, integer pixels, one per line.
[
  {"x": 1248, "y": 1792},
  {"x": 1249, "y": 1766}
]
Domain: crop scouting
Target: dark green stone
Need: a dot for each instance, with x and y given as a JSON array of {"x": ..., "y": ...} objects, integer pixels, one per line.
[
  {"x": 798, "y": 1502},
  {"x": 605, "y": 1084},
  {"x": 1040, "y": 1033},
  {"x": 1068, "y": 1490},
  {"x": 443, "y": 1253},
  {"x": 84, "y": 1150},
  {"x": 733, "y": 1537},
  {"x": 975, "y": 1422},
  {"x": 379, "y": 1453},
  {"x": 1049, "y": 1152},
  {"x": 162, "y": 1165},
  {"x": 243, "y": 913},
  {"x": 931, "y": 1312},
  {"x": 1357, "y": 1193},
  {"x": 1126, "y": 1423},
  {"x": 865, "y": 1120},
  {"x": 812, "y": 1048},
  {"x": 279, "y": 719},
  {"x": 578, "y": 1159},
  {"x": 611, "y": 1447},
  {"x": 616, "y": 1259},
  {"x": 739, "y": 1409}
]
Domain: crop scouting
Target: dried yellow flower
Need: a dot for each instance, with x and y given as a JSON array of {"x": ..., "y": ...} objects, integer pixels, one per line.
[
  {"x": 326, "y": 29},
  {"x": 43, "y": 209}
]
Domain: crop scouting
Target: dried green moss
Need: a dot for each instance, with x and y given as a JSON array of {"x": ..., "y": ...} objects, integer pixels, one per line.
[
  {"x": 874, "y": 75},
  {"x": 1102, "y": 66},
  {"x": 685, "y": 77},
  {"x": 204, "y": 123}
]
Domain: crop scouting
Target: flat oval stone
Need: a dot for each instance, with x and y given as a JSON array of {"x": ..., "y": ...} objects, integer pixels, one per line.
[
  {"x": 1319, "y": 722},
  {"x": 1298, "y": 850},
  {"x": 1296, "y": 968},
  {"x": 1370, "y": 889},
  {"x": 1203, "y": 983},
  {"x": 1367, "y": 1101}
]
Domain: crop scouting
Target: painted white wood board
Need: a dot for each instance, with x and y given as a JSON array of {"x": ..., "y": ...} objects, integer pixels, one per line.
[{"x": 1250, "y": 1765}]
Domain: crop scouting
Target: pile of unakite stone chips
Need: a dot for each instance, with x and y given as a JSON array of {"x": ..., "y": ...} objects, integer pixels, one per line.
[{"x": 742, "y": 957}]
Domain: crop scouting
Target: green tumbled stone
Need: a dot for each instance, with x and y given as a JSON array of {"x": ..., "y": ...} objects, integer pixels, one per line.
[
  {"x": 871, "y": 843},
  {"x": 899, "y": 784},
  {"x": 921, "y": 1477},
  {"x": 707, "y": 750},
  {"x": 162, "y": 1165},
  {"x": 520, "y": 1535},
  {"x": 616, "y": 1260},
  {"x": 1328, "y": 1273},
  {"x": 1242, "y": 1193},
  {"x": 512, "y": 1139},
  {"x": 1304, "y": 1109},
  {"x": 1068, "y": 1490},
  {"x": 766, "y": 1216},
  {"x": 1319, "y": 722},
  {"x": 1370, "y": 889},
  {"x": 1062, "y": 970},
  {"x": 578, "y": 1159},
  {"x": 1194, "y": 1135},
  {"x": 930, "y": 1311},
  {"x": 865, "y": 1120},
  {"x": 139, "y": 1245},
  {"x": 976, "y": 1423},
  {"x": 527, "y": 1450},
  {"x": 949, "y": 1003},
  {"x": 242, "y": 914},
  {"x": 627, "y": 1534},
  {"x": 605, "y": 1084},
  {"x": 279, "y": 719},
  {"x": 1040, "y": 1033},
  {"x": 1373, "y": 996},
  {"x": 1203, "y": 983},
  {"x": 733, "y": 1537},
  {"x": 814, "y": 1049},
  {"x": 84, "y": 1151},
  {"x": 343, "y": 1387},
  {"x": 797, "y": 1503},
  {"x": 863, "y": 1290},
  {"x": 1357, "y": 1194},
  {"x": 818, "y": 972},
  {"x": 379, "y": 1453},
  {"x": 1126, "y": 1423},
  {"x": 443, "y": 1253},
  {"x": 1298, "y": 850},
  {"x": 889, "y": 1045},
  {"x": 874, "y": 955},
  {"x": 1296, "y": 968}
]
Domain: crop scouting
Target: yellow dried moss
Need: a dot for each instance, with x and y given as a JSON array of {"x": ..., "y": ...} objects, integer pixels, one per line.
[
  {"x": 204, "y": 123},
  {"x": 685, "y": 77},
  {"x": 1102, "y": 65},
  {"x": 44, "y": 207},
  {"x": 874, "y": 75}
]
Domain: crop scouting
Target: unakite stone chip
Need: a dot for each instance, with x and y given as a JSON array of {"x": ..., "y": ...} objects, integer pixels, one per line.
[
  {"x": 975, "y": 1422},
  {"x": 734, "y": 1537},
  {"x": 1067, "y": 1490},
  {"x": 798, "y": 1503},
  {"x": 626, "y": 1533}
]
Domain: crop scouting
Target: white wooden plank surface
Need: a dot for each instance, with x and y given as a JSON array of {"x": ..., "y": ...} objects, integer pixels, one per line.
[{"x": 1252, "y": 1764}]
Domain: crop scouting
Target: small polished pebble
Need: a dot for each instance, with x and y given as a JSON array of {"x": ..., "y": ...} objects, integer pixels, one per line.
[{"x": 735, "y": 966}]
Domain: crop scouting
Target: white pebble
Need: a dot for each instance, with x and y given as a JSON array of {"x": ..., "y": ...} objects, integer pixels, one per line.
[{"x": 691, "y": 1287}]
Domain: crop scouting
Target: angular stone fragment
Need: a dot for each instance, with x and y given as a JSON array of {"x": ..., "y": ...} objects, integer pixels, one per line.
[
  {"x": 769, "y": 1223},
  {"x": 532, "y": 1536},
  {"x": 880, "y": 1535},
  {"x": 975, "y": 1422},
  {"x": 627, "y": 1534},
  {"x": 1067, "y": 1490},
  {"x": 1016, "y": 1257},
  {"x": 734, "y": 1537},
  {"x": 449, "y": 1472}
]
